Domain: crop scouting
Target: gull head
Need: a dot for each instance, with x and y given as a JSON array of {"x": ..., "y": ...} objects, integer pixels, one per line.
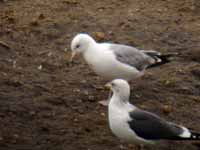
[
  {"x": 119, "y": 87},
  {"x": 80, "y": 44}
]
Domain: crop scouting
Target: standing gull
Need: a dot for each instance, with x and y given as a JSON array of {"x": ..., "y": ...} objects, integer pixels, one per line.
[
  {"x": 113, "y": 61},
  {"x": 134, "y": 125}
]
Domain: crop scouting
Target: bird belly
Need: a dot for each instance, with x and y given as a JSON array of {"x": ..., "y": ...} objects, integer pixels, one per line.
[{"x": 111, "y": 69}]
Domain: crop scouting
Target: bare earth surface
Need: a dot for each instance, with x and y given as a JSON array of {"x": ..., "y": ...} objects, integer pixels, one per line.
[{"x": 47, "y": 104}]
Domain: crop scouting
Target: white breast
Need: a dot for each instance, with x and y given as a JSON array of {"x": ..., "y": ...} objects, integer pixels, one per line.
[
  {"x": 104, "y": 64},
  {"x": 118, "y": 122}
]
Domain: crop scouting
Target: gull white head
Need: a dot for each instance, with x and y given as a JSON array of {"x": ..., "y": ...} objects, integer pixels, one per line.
[
  {"x": 120, "y": 88},
  {"x": 80, "y": 44}
]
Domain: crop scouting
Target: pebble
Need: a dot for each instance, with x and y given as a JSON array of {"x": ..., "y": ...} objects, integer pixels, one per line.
[
  {"x": 66, "y": 49},
  {"x": 85, "y": 92},
  {"x": 32, "y": 113},
  {"x": 83, "y": 81},
  {"x": 99, "y": 36},
  {"x": 41, "y": 16},
  {"x": 40, "y": 67},
  {"x": 49, "y": 54},
  {"x": 16, "y": 136},
  {"x": 103, "y": 114},
  {"x": 34, "y": 23},
  {"x": 91, "y": 98},
  {"x": 122, "y": 146},
  {"x": 75, "y": 120},
  {"x": 167, "y": 109},
  {"x": 76, "y": 90}
]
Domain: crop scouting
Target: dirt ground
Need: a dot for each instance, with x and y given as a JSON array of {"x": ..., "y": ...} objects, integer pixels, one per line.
[{"x": 47, "y": 104}]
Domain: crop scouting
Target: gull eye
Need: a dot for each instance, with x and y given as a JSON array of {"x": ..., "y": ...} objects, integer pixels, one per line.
[
  {"x": 113, "y": 84},
  {"x": 78, "y": 45}
]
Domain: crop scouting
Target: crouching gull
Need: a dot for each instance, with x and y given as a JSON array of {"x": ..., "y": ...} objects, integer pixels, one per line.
[{"x": 134, "y": 125}]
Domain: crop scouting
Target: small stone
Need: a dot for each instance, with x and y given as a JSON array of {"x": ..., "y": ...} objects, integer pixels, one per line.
[
  {"x": 131, "y": 146},
  {"x": 40, "y": 67},
  {"x": 14, "y": 63},
  {"x": 86, "y": 92},
  {"x": 16, "y": 136},
  {"x": 32, "y": 113},
  {"x": 41, "y": 16},
  {"x": 49, "y": 54},
  {"x": 34, "y": 23},
  {"x": 83, "y": 81},
  {"x": 11, "y": 20},
  {"x": 167, "y": 109},
  {"x": 110, "y": 33},
  {"x": 103, "y": 114},
  {"x": 91, "y": 98},
  {"x": 76, "y": 90},
  {"x": 75, "y": 120},
  {"x": 98, "y": 88},
  {"x": 66, "y": 49},
  {"x": 79, "y": 100},
  {"x": 99, "y": 36},
  {"x": 137, "y": 96},
  {"x": 122, "y": 147},
  {"x": 5, "y": 74}
]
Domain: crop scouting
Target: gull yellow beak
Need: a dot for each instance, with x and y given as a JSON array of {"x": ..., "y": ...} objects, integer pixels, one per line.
[{"x": 108, "y": 86}]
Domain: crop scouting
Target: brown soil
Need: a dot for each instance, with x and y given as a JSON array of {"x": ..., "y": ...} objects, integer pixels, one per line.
[{"x": 47, "y": 104}]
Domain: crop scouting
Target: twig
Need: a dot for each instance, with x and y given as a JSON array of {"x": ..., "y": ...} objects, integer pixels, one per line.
[{"x": 4, "y": 44}]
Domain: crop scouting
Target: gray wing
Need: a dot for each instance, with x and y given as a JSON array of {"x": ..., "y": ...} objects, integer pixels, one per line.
[
  {"x": 151, "y": 127},
  {"x": 132, "y": 56}
]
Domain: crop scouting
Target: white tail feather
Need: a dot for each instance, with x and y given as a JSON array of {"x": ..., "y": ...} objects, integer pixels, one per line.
[{"x": 186, "y": 133}]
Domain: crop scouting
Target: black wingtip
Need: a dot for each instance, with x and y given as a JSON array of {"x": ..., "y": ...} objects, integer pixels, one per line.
[
  {"x": 195, "y": 136},
  {"x": 165, "y": 58}
]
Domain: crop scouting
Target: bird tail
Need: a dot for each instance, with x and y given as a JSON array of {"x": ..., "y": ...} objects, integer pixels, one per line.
[
  {"x": 159, "y": 58},
  {"x": 195, "y": 136}
]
